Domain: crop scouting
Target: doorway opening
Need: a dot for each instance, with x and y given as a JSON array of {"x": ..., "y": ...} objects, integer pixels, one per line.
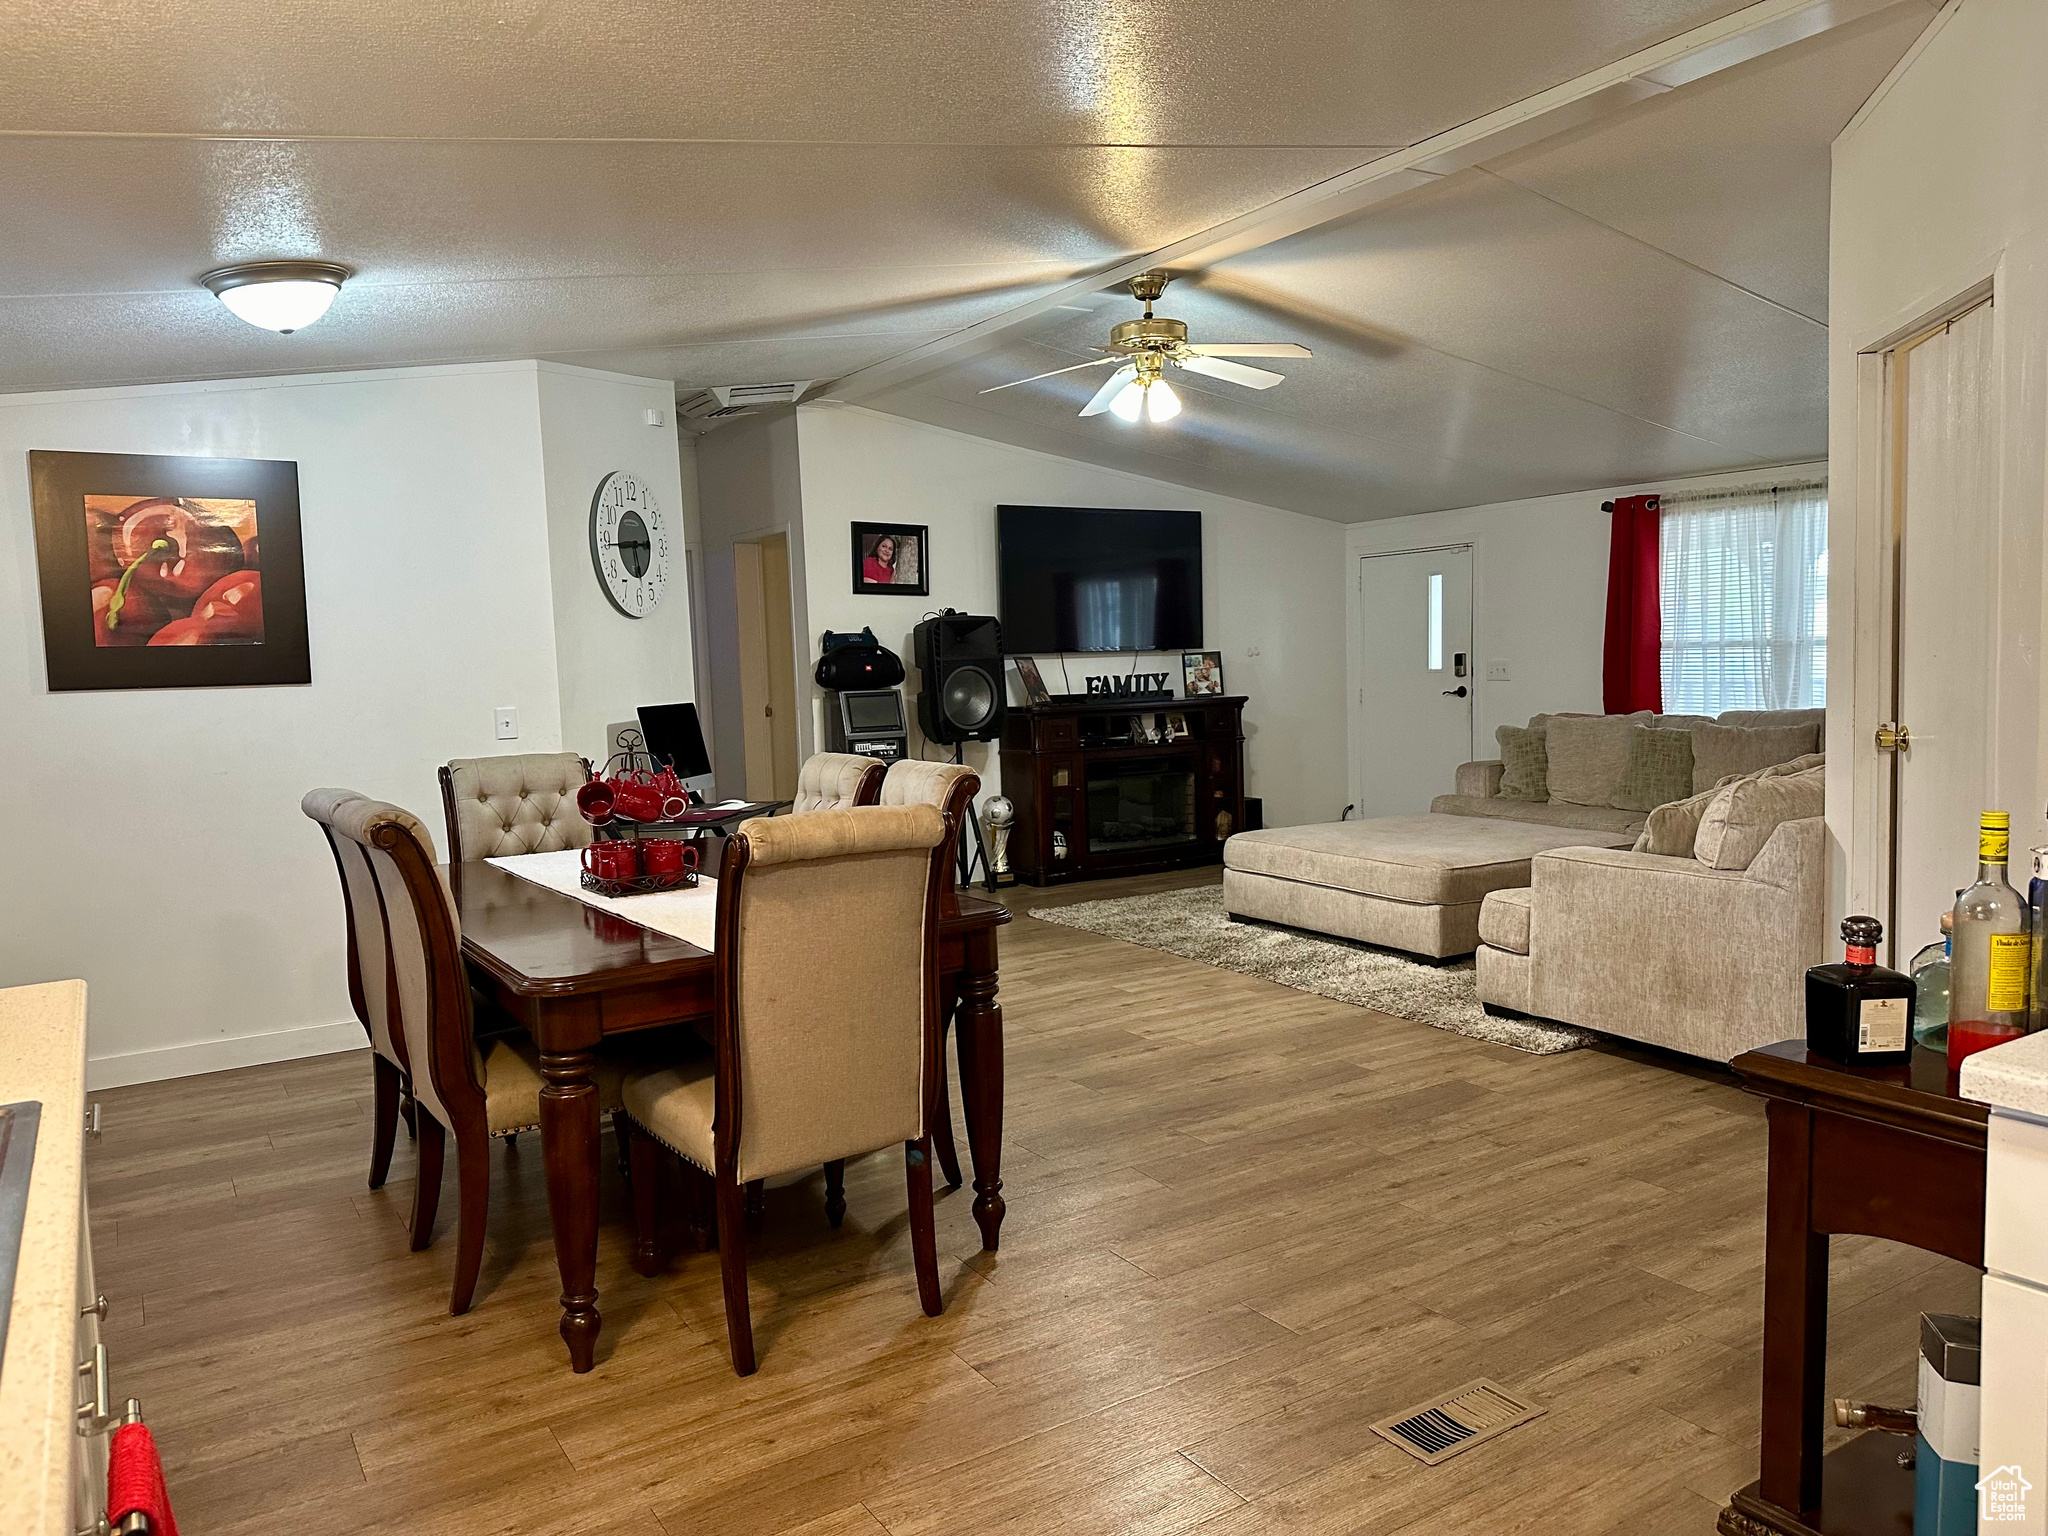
[{"x": 767, "y": 657}]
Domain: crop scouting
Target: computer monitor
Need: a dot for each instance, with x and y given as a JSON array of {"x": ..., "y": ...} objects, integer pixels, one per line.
[{"x": 676, "y": 739}]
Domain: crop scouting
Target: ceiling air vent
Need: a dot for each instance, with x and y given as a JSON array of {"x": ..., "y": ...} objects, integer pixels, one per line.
[
  {"x": 723, "y": 400},
  {"x": 1437, "y": 1431}
]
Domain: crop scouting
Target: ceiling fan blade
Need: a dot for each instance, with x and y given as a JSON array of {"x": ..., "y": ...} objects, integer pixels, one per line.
[
  {"x": 1233, "y": 373},
  {"x": 1055, "y": 373},
  {"x": 1108, "y": 392},
  {"x": 1249, "y": 349}
]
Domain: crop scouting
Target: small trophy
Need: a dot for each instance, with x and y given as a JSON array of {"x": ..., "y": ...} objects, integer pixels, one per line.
[{"x": 997, "y": 817}]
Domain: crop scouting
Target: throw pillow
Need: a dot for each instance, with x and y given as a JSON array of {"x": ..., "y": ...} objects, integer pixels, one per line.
[
  {"x": 1719, "y": 750},
  {"x": 1525, "y": 768},
  {"x": 1659, "y": 769},
  {"x": 1742, "y": 817},
  {"x": 1777, "y": 770},
  {"x": 1673, "y": 829},
  {"x": 1587, "y": 755}
]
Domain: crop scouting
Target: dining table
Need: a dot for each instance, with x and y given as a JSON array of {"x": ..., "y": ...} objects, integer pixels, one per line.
[{"x": 576, "y": 973}]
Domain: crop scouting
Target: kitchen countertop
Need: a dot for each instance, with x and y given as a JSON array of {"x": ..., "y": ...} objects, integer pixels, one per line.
[
  {"x": 2010, "y": 1076},
  {"x": 42, "y": 1057}
]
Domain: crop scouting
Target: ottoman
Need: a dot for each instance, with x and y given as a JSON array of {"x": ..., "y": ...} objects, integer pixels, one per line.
[{"x": 1406, "y": 882}]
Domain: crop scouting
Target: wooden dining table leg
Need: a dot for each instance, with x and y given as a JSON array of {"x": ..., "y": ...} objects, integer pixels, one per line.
[
  {"x": 978, "y": 1036},
  {"x": 569, "y": 1139}
]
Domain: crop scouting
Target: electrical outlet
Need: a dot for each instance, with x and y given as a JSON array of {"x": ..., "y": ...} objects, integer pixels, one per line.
[
  {"x": 1496, "y": 672},
  {"x": 507, "y": 722},
  {"x": 1253, "y": 651}
]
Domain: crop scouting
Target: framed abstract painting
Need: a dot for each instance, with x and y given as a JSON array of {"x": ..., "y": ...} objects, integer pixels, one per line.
[{"x": 162, "y": 571}]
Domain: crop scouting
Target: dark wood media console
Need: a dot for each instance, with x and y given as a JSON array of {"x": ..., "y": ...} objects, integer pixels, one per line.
[{"x": 1093, "y": 799}]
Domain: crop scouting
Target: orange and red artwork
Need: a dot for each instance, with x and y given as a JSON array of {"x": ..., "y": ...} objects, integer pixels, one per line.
[{"x": 173, "y": 571}]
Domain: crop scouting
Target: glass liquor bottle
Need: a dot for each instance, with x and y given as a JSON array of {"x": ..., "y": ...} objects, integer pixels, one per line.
[
  {"x": 1930, "y": 972},
  {"x": 1859, "y": 1012},
  {"x": 2037, "y": 972},
  {"x": 1988, "y": 967}
]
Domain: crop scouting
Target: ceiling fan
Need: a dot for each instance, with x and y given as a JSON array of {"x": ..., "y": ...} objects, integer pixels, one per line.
[{"x": 1147, "y": 347}]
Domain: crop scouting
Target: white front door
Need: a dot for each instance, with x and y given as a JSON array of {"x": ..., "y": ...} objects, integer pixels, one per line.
[
  {"x": 1415, "y": 672},
  {"x": 1944, "y": 426}
]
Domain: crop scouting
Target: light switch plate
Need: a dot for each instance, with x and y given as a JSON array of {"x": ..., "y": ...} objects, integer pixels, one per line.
[
  {"x": 655, "y": 418},
  {"x": 507, "y": 722},
  {"x": 1497, "y": 672}
]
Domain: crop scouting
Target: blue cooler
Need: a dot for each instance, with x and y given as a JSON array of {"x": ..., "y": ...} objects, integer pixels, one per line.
[{"x": 1945, "y": 1470}]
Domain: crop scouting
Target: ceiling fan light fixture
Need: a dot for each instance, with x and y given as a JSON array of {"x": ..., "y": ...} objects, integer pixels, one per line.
[
  {"x": 281, "y": 296},
  {"x": 1161, "y": 403},
  {"x": 1129, "y": 402}
]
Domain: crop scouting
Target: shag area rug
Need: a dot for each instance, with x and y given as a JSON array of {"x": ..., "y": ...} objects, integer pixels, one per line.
[{"x": 1193, "y": 923}]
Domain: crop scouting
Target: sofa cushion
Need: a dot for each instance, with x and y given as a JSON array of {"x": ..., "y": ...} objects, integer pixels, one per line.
[
  {"x": 1741, "y": 818},
  {"x": 1671, "y": 830},
  {"x": 1430, "y": 859},
  {"x": 1590, "y": 818},
  {"x": 1764, "y": 719},
  {"x": 1719, "y": 750},
  {"x": 1587, "y": 755},
  {"x": 1796, "y": 765},
  {"x": 1525, "y": 767},
  {"x": 1659, "y": 769},
  {"x": 1504, "y": 919}
]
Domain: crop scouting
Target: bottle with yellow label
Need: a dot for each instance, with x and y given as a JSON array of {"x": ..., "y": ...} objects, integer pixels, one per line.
[{"x": 1991, "y": 950}]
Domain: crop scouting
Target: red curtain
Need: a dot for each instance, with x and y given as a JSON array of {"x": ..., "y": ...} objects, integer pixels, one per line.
[{"x": 1631, "y": 678}]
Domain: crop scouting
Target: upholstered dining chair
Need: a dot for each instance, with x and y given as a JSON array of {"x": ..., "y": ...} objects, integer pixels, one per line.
[
  {"x": 825, "y": 1023},
  {"x": 369, "y": 981},
  {"x": 952, "y": 788},
  {"x": 475, "y": 1089},
  {"x": 499, "y": 807},
  {"x": 836, "y": 781}
]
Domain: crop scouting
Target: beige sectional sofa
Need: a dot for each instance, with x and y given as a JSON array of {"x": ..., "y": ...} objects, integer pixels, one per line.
[{"x": 1572, "y": 915}]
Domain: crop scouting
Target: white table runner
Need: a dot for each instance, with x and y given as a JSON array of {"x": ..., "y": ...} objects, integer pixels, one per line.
[{"x": 690, "y": 915}]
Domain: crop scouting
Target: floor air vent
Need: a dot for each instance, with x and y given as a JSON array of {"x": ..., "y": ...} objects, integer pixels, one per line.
[{"x": 1437, "y": 1431}]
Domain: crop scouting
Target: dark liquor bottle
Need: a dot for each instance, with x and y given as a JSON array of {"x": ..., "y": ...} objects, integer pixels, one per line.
[{"x": 1860, "y": 1013}]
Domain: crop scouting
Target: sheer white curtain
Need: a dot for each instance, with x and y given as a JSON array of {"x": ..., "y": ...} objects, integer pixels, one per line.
[{"x": 1744, "y": 590}]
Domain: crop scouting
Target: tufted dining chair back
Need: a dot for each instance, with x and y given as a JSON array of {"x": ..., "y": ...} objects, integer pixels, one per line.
[
  {"x": 498, "y": 807},
  {"x": 836, "y": 781}
]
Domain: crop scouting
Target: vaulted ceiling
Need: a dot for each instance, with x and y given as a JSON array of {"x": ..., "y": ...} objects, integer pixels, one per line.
[{"x": 731, "y": 194}]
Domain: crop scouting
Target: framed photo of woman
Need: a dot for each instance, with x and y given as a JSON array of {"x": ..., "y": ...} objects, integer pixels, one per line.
[{"x": 891, "y": 559}]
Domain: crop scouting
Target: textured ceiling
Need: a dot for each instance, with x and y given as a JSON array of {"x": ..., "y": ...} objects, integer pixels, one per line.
[
  {"x": 747, "y": 193},
  {"x": 1639, "y": 299}
]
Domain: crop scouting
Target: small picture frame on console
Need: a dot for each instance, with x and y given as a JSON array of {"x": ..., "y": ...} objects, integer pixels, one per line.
[
  {"x": 1201, "y": 673},
  {"x": 1034, "y": 685},
  {"x": 891, "y": 560},
  {"x": 1176, "y": 727}
]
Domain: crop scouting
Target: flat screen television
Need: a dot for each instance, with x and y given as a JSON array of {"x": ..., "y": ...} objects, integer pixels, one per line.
[{"x": 1098, "y": 579}]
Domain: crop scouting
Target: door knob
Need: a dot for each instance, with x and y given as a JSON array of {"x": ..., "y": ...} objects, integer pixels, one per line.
[
  {"x": 1893, "y": 737},
  {"x": 1455, "y": 693}
]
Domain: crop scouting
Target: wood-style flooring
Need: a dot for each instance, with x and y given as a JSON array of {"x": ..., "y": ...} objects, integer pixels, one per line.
[{"x": 1244, "y": 1223}]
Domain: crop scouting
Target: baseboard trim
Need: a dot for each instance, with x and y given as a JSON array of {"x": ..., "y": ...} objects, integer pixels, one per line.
[{"x": 200, "y": 1056}]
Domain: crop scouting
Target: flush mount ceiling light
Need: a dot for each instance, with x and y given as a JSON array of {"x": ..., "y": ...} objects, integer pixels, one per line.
[{"x": 282, "y": 296}]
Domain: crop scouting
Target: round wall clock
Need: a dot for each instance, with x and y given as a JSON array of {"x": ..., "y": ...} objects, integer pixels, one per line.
[{"x": 628, "y": 544}]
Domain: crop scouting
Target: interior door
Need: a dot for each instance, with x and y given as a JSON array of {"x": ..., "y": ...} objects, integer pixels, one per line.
[
  {"x": 1415, "y": 671},
  {"x": 1944, "y": 643}
]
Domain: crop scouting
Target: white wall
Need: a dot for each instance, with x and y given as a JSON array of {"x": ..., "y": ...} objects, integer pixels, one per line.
[
  {"x": 592, "y": 423},
  {"x": 1272, "y": 588},
  {"x": 159, "y": 851},
  {"x": 1539, "y": 596},
  {"x": 1940, "y": 183}
]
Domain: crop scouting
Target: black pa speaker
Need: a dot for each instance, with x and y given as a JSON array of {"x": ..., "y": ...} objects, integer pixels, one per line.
[{"x": 961, "y": 695}]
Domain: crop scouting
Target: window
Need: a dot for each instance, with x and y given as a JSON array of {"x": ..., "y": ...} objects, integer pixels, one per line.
[
  {"x": 1436, "y": 621},
  {"x": 1743, "y": 584}
]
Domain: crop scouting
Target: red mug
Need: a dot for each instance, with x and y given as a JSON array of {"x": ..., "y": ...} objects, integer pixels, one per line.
[
  {"x": 612, "y": 860},
  {"x": 637, "y": 798},
  {"x": 594, "y": 800},
  {"x": 666, "y": 857}
]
